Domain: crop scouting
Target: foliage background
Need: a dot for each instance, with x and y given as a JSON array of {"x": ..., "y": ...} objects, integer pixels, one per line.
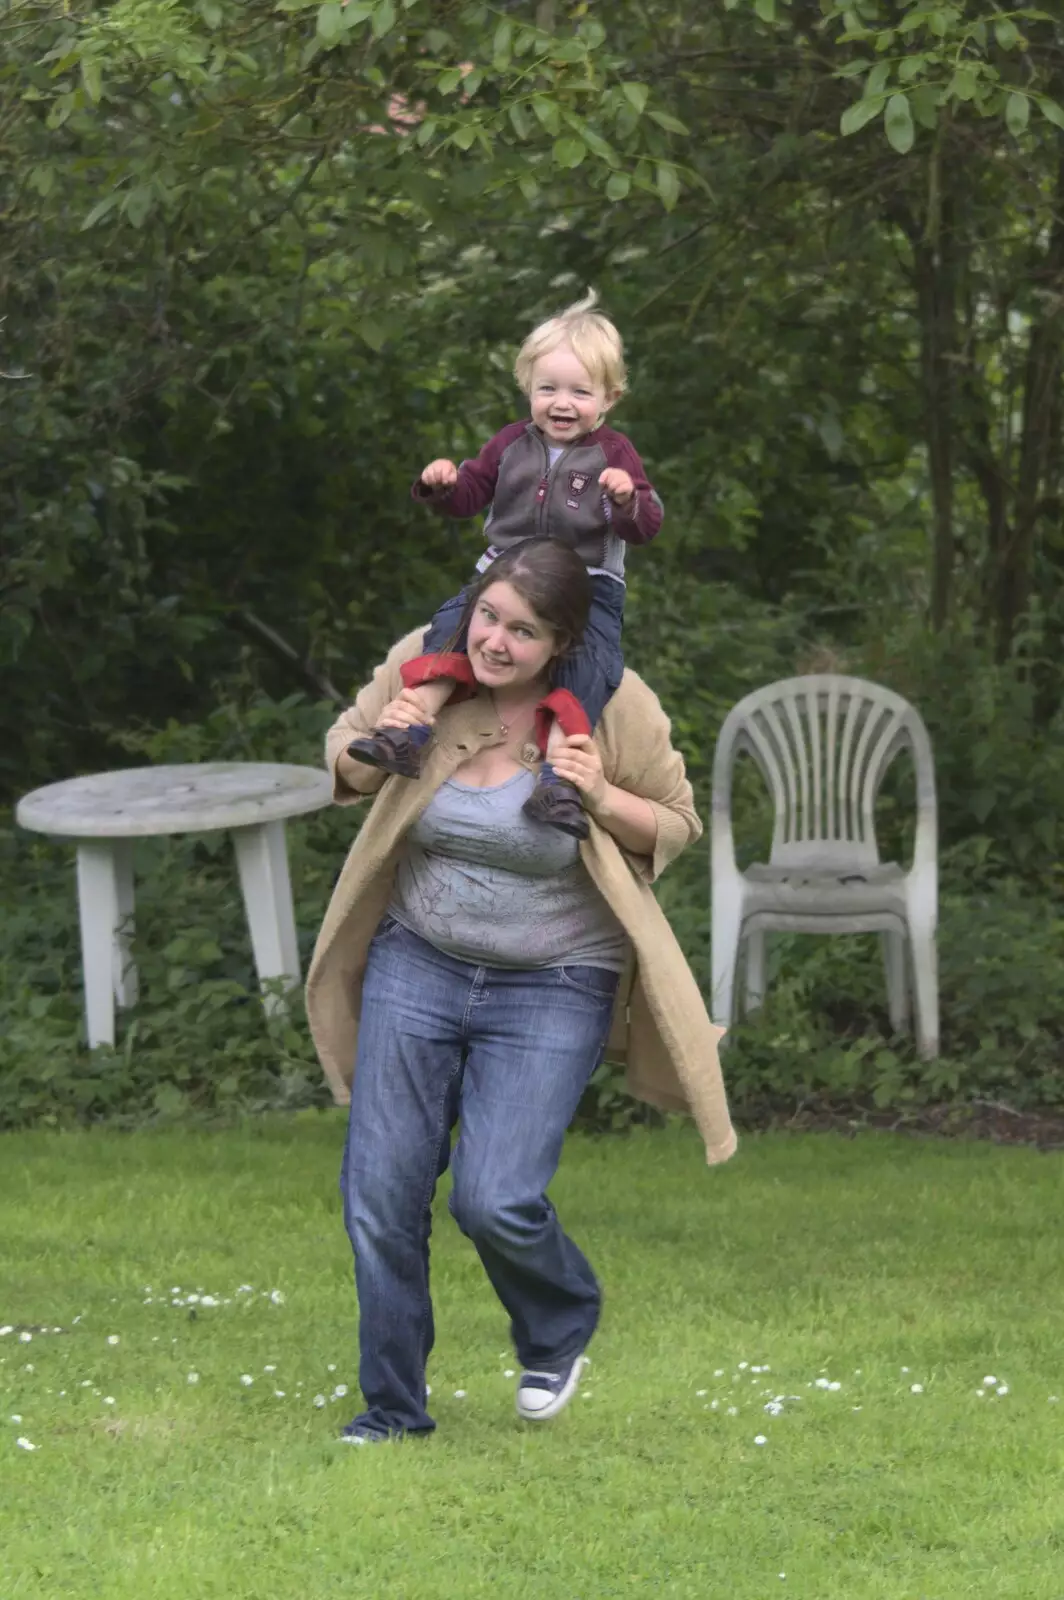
[{"x": 261, "y": 261}]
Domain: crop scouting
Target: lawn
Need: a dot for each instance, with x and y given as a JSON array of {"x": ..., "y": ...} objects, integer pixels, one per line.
[{"x": 865, "y": 1291}]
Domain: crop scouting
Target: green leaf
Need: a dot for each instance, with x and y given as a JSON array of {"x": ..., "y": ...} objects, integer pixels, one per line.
[
  {"x": 330, "y": 22},
  {"x": 666, "y": 120},
  {"x": 100, "y": 210},
  {"x": 598, "y": 146},
  {"x": 964, "y": 82},
  {"x": 138, "y": 203},
  {"x": 59, "y": 111},
  {"x": 528, "y": 186},
  {"x": 1006, "y": 33},
  {"x": 924, "y": 100},
  {"x": 547, "y": 112},
  {"x": 898, "y": 124},
  {"x": 519, "y": 119},
  {"x": 91, "y": 77},
  {"x": 502, "y": 42},
  {"x": 853, "y": 69},
  {"x": 383, "y": 18},
  {"x": 912, "y": 21},
  {"x": 1017, "y": 113},
  {"x": 911, "y": 67},
  {"x": 464, "y": 136},
  {"x": 569, "y": 151},
  {"x": 1051, "y": 111},
  {"x": 855, "y": 117},
  {"x": 593, "y": 34},
  {"x": 876, "y": 81},
  {"x": 373, "y": 334},
  {"x": 170, "y": 1101},
  {"x": 636, "y": 94},
  {"x": 668, "y": 184},
  {"x": 766, "y": 10},
  {"x": 618, "y": 185}
]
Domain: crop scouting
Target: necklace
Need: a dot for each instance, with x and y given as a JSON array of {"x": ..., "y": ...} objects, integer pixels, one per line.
[{"x": 504, "y": 727}]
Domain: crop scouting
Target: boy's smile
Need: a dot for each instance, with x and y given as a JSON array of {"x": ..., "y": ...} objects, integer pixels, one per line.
[{"x": 566, "y": 401}]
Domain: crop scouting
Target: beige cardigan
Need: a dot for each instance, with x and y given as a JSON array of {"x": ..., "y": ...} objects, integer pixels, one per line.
[{"x": 660, "y": 1026}]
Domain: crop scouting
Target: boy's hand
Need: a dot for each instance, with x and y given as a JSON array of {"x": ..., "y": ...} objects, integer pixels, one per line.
[
  {"x": 618, "y": 485},
  {"x": 441, "y": 475}
]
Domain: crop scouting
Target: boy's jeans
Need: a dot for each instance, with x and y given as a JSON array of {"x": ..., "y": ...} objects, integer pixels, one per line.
[{"x": 509, "y": 1053}]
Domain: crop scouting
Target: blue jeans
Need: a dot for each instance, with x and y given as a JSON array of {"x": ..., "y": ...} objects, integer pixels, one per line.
[
  {"x": 508, "y": 1053},
  {"x": 591, "y": 671}
]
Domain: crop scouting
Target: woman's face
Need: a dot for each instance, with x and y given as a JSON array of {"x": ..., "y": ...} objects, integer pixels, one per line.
[{"x": 508, "y": 644}]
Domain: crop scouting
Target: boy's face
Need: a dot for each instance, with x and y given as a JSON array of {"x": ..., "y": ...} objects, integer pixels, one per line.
[{"x": 566, "y": 401}]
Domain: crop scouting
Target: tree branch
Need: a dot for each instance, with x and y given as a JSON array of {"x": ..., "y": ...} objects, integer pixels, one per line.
[{"x": 253, "y": 627}]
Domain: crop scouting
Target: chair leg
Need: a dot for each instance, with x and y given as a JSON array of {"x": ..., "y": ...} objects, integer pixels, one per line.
[
  {"x": 262, "y": 862},
  {"x": 894, "y": 965},
  {"x": 754, "y": 963},
  {"x": 724, "y": 953},
  {"x": 101, "y": 891},
  {"x": 924, "y": 953}
]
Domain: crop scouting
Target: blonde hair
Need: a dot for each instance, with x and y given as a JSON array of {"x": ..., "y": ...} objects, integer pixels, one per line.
[{"x": 590, "y": 335}]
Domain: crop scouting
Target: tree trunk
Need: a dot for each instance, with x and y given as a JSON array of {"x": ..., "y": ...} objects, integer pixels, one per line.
[
  {"x": 1038, "y": 470},
  {"x": 934, "y": 275}
]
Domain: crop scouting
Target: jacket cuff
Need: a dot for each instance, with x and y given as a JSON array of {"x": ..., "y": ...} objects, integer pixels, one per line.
[
  {"x": 673, "y": 836},
  {"x": 356, "y": 781}
]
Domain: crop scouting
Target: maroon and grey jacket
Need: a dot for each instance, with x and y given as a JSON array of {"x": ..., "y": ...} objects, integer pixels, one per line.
[{"x": 526, "y": 497}]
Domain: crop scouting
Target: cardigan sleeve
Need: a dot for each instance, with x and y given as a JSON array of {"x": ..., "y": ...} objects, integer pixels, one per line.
[
  {"x": 354, "y": 780},
  {"x": 641, "y": 759}
]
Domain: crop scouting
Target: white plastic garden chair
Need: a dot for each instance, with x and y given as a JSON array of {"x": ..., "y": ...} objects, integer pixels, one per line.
[{"x": 823, "y": 744}]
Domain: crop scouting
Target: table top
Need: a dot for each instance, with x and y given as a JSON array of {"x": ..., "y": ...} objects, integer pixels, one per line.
[{"x": 142, "y": 801}]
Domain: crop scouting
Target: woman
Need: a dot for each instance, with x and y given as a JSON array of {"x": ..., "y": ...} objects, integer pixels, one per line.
[{"x": 474, "y": 960}]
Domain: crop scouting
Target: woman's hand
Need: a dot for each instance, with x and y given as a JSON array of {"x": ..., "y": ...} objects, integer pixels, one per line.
[
  {"x": 580, "y": 764},
  {"x": 405, "y": 711},
  {"x": 440, "y": 474}
]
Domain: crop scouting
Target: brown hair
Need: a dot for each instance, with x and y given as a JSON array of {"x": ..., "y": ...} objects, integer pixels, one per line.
[{"x": 552, "y": 581}]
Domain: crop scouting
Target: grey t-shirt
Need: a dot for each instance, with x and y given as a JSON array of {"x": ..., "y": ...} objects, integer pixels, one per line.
[{"x": 483, "y": 882}]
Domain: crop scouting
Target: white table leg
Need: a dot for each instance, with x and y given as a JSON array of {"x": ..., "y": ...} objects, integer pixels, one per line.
[
  {"x": 105, "y": 909},
  {"x": 262, "y": 862}
]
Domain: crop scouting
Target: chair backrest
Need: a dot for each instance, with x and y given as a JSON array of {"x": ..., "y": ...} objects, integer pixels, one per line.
[{"x": 823, "y": 744}]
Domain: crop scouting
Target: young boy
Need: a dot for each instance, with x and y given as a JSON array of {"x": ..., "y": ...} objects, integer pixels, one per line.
[{"x": 564, "y": 475}]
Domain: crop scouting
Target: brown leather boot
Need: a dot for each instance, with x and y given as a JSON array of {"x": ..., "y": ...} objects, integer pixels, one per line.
[
  {"x": 391, "y": 749},
  {"x": 558, "y": 805}
]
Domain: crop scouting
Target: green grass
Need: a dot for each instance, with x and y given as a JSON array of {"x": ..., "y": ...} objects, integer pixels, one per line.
[{"x": 822, "y": 1257}]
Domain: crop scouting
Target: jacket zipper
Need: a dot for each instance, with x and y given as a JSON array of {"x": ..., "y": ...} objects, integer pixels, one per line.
[{"x": 545, "y": 484}]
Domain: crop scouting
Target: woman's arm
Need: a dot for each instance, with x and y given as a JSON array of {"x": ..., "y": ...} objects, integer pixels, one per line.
[
  {"x": 640, "y": 760},
  {"x": 628, "y": 817},
  {"x": 353, "y": 780}
]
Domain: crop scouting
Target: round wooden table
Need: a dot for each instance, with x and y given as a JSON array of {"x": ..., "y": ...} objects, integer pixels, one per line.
[{"x": 104, "y": 813}]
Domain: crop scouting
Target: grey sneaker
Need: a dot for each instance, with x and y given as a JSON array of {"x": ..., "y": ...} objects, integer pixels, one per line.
[{"x": 541, "y": 1395}]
